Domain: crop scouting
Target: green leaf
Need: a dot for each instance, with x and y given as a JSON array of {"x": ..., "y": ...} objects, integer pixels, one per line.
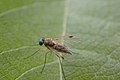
[{"x": 95, "y": 22}]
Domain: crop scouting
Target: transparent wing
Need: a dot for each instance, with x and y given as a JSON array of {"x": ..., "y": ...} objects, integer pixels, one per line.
[{"x": 69, "y": 39}]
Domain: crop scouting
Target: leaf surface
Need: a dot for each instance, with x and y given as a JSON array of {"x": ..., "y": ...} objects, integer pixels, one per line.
[{"x": 95, "y": 57}]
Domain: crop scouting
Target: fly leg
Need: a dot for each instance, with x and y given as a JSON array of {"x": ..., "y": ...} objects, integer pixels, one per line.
[
  {"x": 46, "y": 59},
  {"x": 60, "y": 60},
  {"x": 32, "y": 54},
  {"x": 44, "y": 62}
]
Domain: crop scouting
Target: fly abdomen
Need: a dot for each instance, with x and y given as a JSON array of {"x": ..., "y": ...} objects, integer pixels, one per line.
[{"x": 61, "y": 48}]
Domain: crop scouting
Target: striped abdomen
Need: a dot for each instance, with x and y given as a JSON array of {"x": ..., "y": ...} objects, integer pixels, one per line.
[
  {"x": 58, "y": 47},
  {"x": 61, "y": 48}
]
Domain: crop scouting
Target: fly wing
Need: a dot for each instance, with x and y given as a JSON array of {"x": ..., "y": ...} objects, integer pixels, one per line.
[
  {"x": 68, "y": 39},
  {"x": 72, "y": 38}
]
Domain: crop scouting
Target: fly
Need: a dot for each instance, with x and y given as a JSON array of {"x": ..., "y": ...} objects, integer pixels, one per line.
[{"x": 51, "y": 45}]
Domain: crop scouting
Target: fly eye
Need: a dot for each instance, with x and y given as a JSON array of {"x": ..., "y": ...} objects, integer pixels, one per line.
[{"x": 41, "y": 42}]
